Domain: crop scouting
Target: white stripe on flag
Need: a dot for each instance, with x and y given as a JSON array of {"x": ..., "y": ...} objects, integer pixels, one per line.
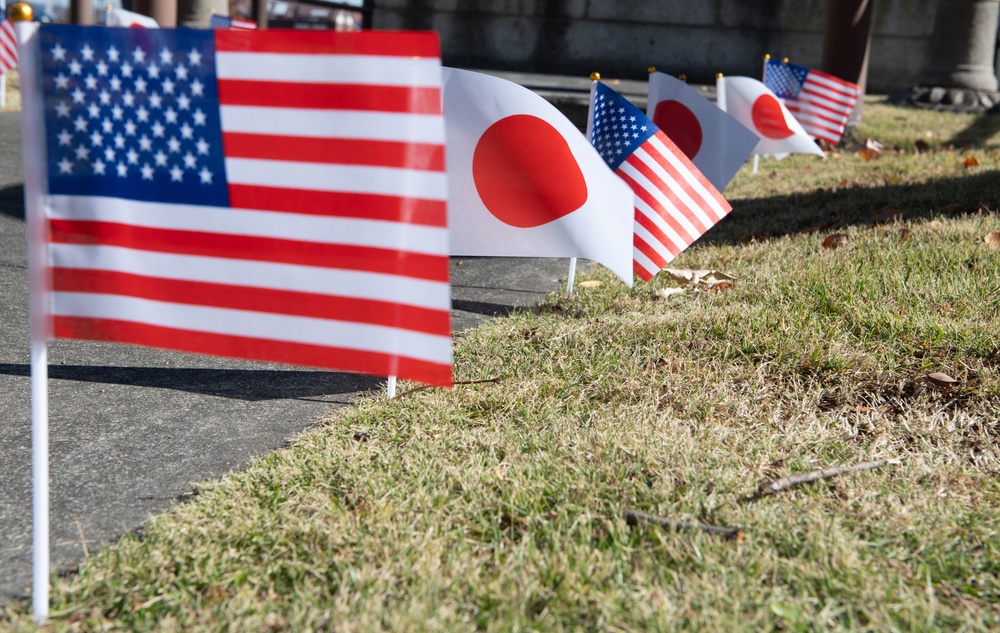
[
  {"x": 255, "y": 274},
  {"x": 639, "y": 258},
  {"x": 370, "y": 70},
  {"x": 654, "y": 242},
  {"x": 302, "y": 227},
  {"x": 273, "y": 327},
  {"x": 836, "y": 100},
  {"x": 654, "y": 190},
  {"x": 348, "y": 124},
  {"x": 663, "y": 225},
  {"x": 342, "y": 178},
  {"x": 707, "y": 199}
]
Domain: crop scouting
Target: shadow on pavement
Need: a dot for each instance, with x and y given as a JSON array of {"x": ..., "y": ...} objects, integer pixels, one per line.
[{"x": 241, "y": 384}]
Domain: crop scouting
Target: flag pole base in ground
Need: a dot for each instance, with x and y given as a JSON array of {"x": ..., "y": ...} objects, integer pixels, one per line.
[
  {"x": 572, "y": 275},
  {"x": 40, "y": 481},
  {"x": 390, "y": 388},
  {"x": 756, "y": 161}
]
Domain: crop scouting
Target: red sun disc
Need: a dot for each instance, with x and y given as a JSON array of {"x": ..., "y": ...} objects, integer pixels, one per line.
[
  {"x": 680, "y": 124},
  {"x": 769, "y": 119},
  {"x": 525, "y": 172}
]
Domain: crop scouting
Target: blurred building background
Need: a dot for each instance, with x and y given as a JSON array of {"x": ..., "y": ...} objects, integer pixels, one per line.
[{"x": 621, "y": 38}]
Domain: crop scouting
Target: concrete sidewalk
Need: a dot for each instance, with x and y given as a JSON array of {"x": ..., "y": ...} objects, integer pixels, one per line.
[{"x": 132, "y": 429}]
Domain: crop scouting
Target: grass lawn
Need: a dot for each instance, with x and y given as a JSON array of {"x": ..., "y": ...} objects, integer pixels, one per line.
[{"x": 498, "y": 506}]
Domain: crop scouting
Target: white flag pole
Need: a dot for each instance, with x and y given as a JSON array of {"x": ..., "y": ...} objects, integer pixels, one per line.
[
  {"x": 33, "y": 144},
  {"x": 390, "y": 389},
  {"x": 594, "y": 78}
]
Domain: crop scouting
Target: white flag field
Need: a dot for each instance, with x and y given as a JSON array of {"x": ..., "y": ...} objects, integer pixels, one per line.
[
  {"x": 758, "y": 109},
  {"x": 523, "y": 181}
]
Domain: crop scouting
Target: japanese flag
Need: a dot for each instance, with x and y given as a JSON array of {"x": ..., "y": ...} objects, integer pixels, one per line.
[
  {"x": 751, "y": 103},
  {"x": 523, "y": 181},
  {"x": 715, "y": 142},
  {"x": 123, "y": 17}
]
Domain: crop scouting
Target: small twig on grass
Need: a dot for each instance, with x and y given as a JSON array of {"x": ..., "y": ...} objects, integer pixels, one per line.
[
  {"x": 634, "y": 518},
  {"x": 459, "y": 382},
  {"x": 83, "y": 540},
  {"x": 784, "y": 483}
]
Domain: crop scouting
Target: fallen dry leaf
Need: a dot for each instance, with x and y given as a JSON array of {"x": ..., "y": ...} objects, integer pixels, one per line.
[
  {"x": 666, "y": 293},
  {"x": 941, "y": 379},
  {"x": 934, "y": 225},
  {"x": 992, "y": 239},
  {"x": 834, "y": 241},
  {"x": 970, "y": 161},
  {"x": 921, "y": 145},
  {"x": 722, "y": 285},
  {"x": 869, "y": 149},
  {"x": 867, "y": 153},
  {"x": 697, "y": 277},
  {"x": 593, "y": 283}
]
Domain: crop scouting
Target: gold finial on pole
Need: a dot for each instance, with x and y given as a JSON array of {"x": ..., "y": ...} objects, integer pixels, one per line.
[
  {"x": 651, "y": 70},
  {"x": 21, "y": 12},
  {"x": 785, "y": 60},
  {"x": 595, "y": 76},
  {"x": 718, "y": 75},
  {"x": 682, "y": 77}
]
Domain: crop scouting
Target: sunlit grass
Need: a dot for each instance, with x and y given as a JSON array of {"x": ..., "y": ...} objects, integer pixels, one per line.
[{"x": 497, "y": 506}]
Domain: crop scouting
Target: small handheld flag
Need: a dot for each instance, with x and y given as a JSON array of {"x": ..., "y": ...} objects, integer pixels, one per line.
[
  {"x": 821, "y": 102},
  {"x": 674, "y": 203}
]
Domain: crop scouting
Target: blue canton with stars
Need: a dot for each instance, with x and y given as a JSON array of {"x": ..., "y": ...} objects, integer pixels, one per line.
[
  {"x": 132, "y": 113},
  {"x": 783, "y": 79},
  {"x": 619, "y": 127}
]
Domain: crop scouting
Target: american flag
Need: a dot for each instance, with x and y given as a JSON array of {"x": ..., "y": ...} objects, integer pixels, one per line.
[
  {"x": 268, "y": 195},
  {"x": 8, "y": 46},
  {"x": 819, "y": 101},
  {"x": 674, "y": 203},
  {"x": 227, "y": 22}
]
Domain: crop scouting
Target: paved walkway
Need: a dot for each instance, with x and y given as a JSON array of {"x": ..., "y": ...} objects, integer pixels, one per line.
[{"x": 132, "y": 429}]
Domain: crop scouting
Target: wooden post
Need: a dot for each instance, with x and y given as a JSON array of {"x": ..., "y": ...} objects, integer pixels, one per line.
[{"x": 846, "y": 44}]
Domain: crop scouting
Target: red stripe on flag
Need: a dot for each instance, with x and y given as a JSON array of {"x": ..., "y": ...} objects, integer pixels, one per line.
[
  {"x": 640, "y": 271},
  {"x": 847, "y": 88},
  {"x": 413, "y": 44},
  {"x": 822, "y": 110},
  {"x": 668, "y": 243},
  {"x": 251, "y": 248},
  {"x": 8, "y": 46},
  {"x": 340, "y": 151},
  {"x": 668, "y": 190},
  {"x": 700, "y": 177},
  {"x": 336, "y": 358},
  {"x": 652, "y": 254},
  {"x": 330, "y": 96},
  {"x": 648, "y": 198},
  {"x": 269, "y": 300},
  {"x": 340, "y": 204}
]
